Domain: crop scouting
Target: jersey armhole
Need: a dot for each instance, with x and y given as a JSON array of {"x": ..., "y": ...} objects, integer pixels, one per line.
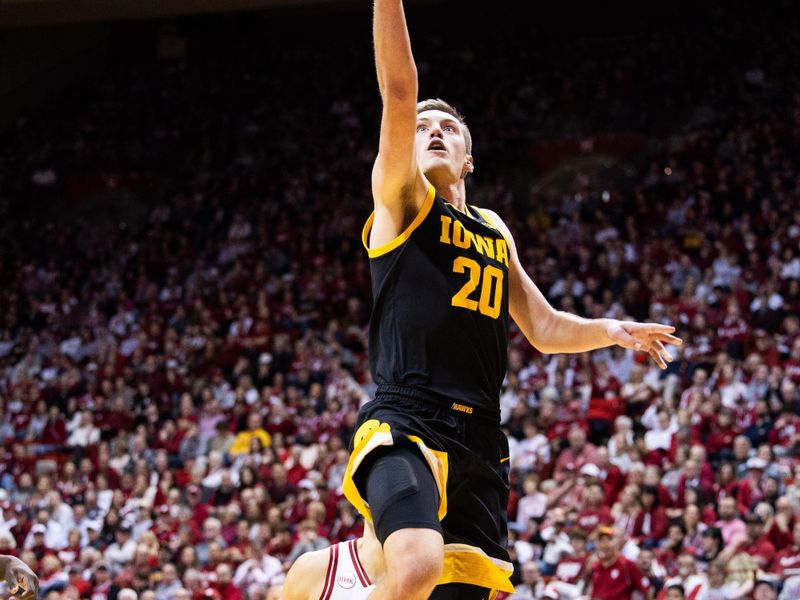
[
  {"x": 490, "y": 220},
  {"x": 400, "y": 239}
]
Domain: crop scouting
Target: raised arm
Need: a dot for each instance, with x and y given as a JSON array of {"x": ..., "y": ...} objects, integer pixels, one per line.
[
  {"x": 553, "y": 331},
  {"x": 398, "y": 187}
]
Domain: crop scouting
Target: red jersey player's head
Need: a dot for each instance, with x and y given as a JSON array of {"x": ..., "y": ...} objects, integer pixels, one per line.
[{"x": 443, "y": 144}]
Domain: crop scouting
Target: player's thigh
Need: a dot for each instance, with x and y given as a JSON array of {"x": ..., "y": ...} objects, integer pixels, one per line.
[
  {"x": 460, "y": 591},
  {"x": 402, "y": 495}
]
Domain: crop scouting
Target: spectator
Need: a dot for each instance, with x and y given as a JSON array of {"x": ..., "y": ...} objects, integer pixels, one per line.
[
  {"x": 308, "y": 541},
  {"x": 121, "y": 552},
  {"x": 729, "y": 523},
  {"x": 169, "y": 584},
  {"x": 578, "y": 453},
  {"x": 243, "y": 442},
  {"x": 612, "y": 575},
  {"x": 212, "y": 534},
  {"x": 532, "y": 585},
  {"x": 224, "y": 584}
]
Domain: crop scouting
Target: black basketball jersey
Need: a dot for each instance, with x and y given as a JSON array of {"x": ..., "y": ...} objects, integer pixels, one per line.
[{"x": 439, "y": 320}]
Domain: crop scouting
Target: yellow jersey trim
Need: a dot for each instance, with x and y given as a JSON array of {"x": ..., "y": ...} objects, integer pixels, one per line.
[
  {"x": 489, "y": 220},
  {"x": 471, "y": 565},
  {"x": 400, "y": 239},
  {"x": 372, "y": 435},
  {"x": 437, "y": 461},
  {"x": 369, "y": 436}
]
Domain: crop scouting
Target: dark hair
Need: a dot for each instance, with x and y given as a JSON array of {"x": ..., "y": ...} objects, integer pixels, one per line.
[
  {"x": 439, "y": 104},
  {"x": 679, "y": 587},
  {"x": 679, "y": 524},
  {"x": 653, "y": 491},
  {"x": 714, "y": 532}
]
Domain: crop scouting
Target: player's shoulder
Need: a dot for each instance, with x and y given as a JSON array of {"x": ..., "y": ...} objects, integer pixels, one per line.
[
  {"x": 306, "y": 576},
  {"x": 495, "y": 220}
]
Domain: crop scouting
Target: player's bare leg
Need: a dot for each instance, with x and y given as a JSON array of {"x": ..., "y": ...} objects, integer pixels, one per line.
[{"x": 414, "y": 561}]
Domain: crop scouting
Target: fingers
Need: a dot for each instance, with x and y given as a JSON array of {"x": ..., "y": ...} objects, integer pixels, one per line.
[
  {"x": 659, "y": 354},
  {"x": 26, "y": 592},
  {"x": 665, "y": 337},
  {"x": 626, "y": 340},
  {"x": 648, "y": 327},
  {"x": 657, "y": 358}
]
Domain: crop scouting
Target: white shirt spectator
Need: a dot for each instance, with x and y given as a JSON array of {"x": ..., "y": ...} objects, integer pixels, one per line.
[
  {"x": 86, "y": 433},
  {"x": 54, "y": 537},
  {"x": 119, "y": 554}
]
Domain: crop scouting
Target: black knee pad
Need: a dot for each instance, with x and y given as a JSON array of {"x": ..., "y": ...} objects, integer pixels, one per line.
[{"x": 402, "y": 493}]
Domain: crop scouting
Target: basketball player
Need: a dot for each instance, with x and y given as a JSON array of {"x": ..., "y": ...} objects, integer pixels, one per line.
[
  {"x": 21, "y": 581},
  {"x": 345, "y": 571},
  {"x": 428, "y": 464}
]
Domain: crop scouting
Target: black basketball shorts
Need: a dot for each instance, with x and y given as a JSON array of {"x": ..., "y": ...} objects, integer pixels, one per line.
[{"x": 468, "y": 456}]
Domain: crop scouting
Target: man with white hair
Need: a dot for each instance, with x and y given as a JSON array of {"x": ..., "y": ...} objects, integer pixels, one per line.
[
  {"x": 127, "y": 594},
  {"x": 212, "y": 533}
]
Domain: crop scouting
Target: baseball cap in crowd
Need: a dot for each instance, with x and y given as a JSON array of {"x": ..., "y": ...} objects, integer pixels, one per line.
[
  {"x": 265, "y": 358},
  {"x": 101, "y": 566},
  {"x": 756, "y": 463},
  {"x": 125, "y": 528},
  {"x": 306, "y": 484},
  {"x": 551, "y": 594},
  {"x": 590, "y": 470},
  {"x": 605, "y": 530},
  {"x": 38, "y": 528}
]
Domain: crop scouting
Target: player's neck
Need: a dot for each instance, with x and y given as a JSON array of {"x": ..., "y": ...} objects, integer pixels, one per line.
[
  {"x": 370, "y": 553},
  {"x": 455, "y": 193}
]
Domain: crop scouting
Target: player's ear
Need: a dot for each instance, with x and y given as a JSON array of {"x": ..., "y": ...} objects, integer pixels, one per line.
[{"x": 469, "y": 166}]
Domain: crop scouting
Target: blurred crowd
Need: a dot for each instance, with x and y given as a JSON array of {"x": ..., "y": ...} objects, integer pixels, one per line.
[{"x": 181, "y": 369}]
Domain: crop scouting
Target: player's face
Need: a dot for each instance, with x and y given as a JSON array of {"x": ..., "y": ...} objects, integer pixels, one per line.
[{"x": 441, "y": 148}]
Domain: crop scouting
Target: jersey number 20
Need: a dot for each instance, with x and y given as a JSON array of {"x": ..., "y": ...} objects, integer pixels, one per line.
[{"x": 489, "y": 279}]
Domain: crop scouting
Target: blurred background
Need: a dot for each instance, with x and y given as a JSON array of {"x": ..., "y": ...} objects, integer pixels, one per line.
[{"x": 184, "y": 297}]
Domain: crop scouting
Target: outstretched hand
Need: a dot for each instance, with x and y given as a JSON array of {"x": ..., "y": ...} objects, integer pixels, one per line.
[
  {"x": 23, "y": 584},
  {"x": 645, "y": 337}
]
